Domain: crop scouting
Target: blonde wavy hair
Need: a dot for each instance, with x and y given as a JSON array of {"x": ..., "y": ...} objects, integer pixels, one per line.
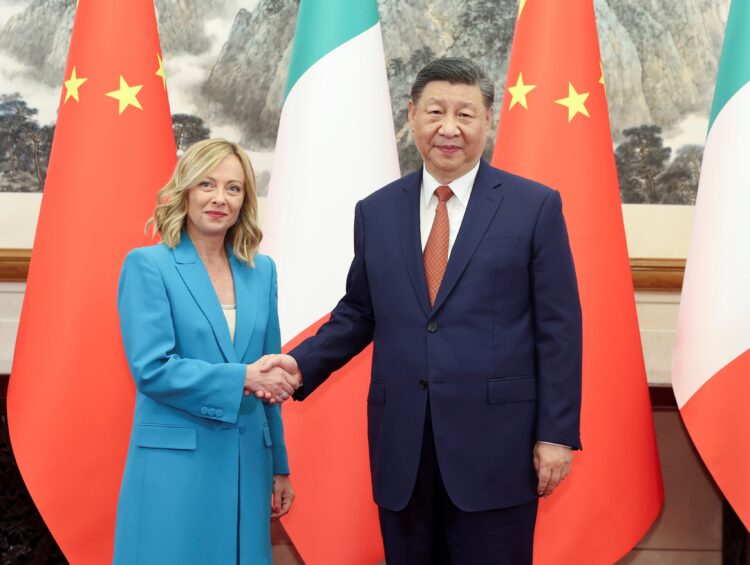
[{"x": 170, "y": 215}]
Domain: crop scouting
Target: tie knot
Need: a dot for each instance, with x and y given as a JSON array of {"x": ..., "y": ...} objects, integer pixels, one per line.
[{"x": 443, "y": 193}]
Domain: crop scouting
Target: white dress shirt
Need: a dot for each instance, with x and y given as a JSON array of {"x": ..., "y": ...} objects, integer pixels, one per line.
[{"x": 456, "y": 205}]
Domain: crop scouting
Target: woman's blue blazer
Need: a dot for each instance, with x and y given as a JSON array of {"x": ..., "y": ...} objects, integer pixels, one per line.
[{"x": 197, "y": 482}]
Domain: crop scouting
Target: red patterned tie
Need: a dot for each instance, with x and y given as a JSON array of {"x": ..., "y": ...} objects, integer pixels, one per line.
[{"x": 435, "y": 256}]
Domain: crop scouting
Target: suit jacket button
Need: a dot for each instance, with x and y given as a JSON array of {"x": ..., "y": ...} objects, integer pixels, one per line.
[
  {"x": 212, "y": 411},
  {"x": 204, "y": 410},
  {"x": 242, "y": 430},
  {"x": 219, "y": 412},
  {"x": 423, "y": 384},
  {"x": 432, "y": 327}
]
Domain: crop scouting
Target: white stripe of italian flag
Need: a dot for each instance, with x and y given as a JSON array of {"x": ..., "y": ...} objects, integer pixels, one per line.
[
  {"x": 711, "y": 359},
  {"x": 336, "y": 144}
]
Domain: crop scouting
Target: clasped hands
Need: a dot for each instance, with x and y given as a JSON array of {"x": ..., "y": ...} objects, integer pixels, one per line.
[{"x": 273, "y": 378}]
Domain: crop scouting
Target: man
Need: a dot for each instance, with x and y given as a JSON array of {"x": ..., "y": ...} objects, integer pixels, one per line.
[{"x": 464, "y": 280}]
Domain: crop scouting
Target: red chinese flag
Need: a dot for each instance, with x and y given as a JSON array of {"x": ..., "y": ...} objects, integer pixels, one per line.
[
  {"x": 554, "y": 128},
  {"x": 70, "y": 397}
]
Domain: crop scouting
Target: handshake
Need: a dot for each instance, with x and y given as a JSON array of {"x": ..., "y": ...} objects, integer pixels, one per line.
[{"x": 273, "y": 378}]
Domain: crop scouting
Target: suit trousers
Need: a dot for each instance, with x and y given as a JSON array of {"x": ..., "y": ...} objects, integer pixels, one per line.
[{"x": 431, "y": 530}]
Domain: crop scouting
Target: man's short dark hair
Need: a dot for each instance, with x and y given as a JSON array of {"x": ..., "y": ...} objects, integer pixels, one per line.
[{"x": 455, "y": 70}]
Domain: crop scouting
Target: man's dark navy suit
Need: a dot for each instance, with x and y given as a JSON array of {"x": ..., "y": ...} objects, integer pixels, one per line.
[{"x": 499, "y": 354}]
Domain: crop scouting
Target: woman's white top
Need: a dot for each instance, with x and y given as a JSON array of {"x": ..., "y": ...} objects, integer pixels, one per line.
[{"x": 230, "y": 313}]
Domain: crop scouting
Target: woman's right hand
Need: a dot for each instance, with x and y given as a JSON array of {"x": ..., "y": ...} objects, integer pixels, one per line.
[{"x": 272, "y": 384}]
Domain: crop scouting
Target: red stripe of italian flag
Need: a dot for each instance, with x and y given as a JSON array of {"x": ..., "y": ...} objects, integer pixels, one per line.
[{"x": 711, "y": 360}]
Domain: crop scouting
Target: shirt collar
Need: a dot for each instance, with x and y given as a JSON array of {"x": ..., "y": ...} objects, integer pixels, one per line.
[{"x": 461, "y": 187}]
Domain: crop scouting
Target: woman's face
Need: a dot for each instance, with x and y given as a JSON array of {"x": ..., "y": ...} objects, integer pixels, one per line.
[{"x": 214, "y": 203}]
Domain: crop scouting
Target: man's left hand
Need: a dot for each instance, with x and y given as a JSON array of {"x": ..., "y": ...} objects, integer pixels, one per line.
[{"x": 552, "y": 463}]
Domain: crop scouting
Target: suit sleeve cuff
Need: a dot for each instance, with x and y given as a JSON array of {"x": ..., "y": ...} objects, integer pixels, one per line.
[{"x": 552, "y": 443}]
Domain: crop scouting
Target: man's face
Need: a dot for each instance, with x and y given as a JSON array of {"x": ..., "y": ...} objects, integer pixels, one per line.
[{"x": 450, "y": 125}]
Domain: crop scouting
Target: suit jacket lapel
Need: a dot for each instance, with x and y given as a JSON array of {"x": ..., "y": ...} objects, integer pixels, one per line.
[
  {"x": 247, "y": 297},
  {"x": 194, "y": 275},
  {"x": 481, "y": 209},
  {"x": 407, "y": 215}
]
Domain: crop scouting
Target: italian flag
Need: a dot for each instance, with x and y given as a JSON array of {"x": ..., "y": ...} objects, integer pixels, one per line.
[
  {"x": 336, "y": 144},
  {"x": 711, "y": 360}
]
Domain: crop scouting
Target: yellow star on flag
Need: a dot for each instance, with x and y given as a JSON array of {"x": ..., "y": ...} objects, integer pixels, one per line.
[
  {"x": 575, "y": 102},
  {"x": 160, "y": 71},
  {"x": 521, "y": 4},
  {"x": 126, "y": 95},
  {"x": 72, "y": 85},
  {"x": 519, "y": 92}
]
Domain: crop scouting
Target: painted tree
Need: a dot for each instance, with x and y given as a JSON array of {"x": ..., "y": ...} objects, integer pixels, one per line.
[
  {"x": 188, "y": 129},
  {"x": 640, "y": 159},
  {"x": 679, "y": 183},
  {"x": 17, "y": 126}
]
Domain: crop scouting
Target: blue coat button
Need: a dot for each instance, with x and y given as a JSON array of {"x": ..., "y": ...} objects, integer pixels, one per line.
[
  {"x": 212, "y": 411},
  {"x": 204, "y": 410},
  {"x": 242, "y": 430},
  {"x": 219, "y": 412}
]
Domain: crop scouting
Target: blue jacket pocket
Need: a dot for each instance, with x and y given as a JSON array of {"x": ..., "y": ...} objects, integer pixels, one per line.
[
  {"x": 376, "y": 396},
  {"x": 164, "y": 437},
  {"x": 494, "y": 241},
  {"x": 267, "y": 441},
  {"x": 513, "y": 389}
]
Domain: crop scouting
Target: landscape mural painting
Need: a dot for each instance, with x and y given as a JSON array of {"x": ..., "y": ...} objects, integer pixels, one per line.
[{"x": 227, "y": 61}]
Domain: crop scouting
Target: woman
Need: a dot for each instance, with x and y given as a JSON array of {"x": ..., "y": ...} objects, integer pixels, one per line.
[{"x": 206, "y": 455}]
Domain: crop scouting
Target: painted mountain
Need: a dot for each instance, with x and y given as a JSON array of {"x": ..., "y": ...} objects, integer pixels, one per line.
[{"x": 227, "y": 63}]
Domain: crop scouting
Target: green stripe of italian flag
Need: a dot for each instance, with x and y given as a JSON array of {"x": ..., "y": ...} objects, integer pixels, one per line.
[
  {"x": 336, "y": 144},
  {"x": 711, "y": 360}
]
